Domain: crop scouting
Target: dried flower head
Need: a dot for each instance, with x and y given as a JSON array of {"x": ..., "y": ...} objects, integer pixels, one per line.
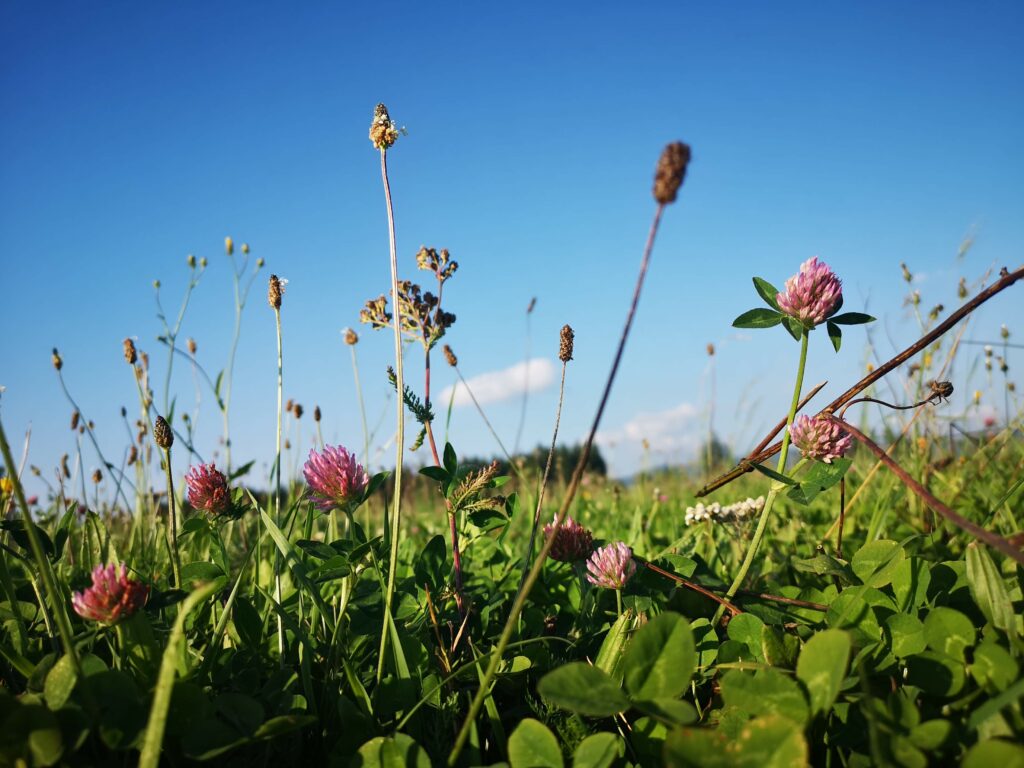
[
  {"x": 335, "y": 479},
  {"x": 383, "y": 133},
  {"x": 289, "y": 404},
  {"x": 450, "y": 357},
  {"x": 275, "y": 290},
  {"x": 351, "y": 337},
  {"x": 440, "y": 263},
  {"x": 565, "y": 343},
  {"x": 532, "y": 304},
  {"x": 133, "y": 455},
  {"x": 112, "y": 596},
  {"x": 611, "y": 566},
  {"x": 58, "y": 363},
  {"x": 130, "y": 355},
  {"x": 711, "y": 350},
  {"x": 571, "y": 541},
  {"x": 297, "y": 410},
  {"x": 97, "y": 477},
  {"x": 907, "y": 276},
  {"x": 316, "y": 413},
  {"x": 245, "y": 248},
  {"x": 671, "y": 171},
  {"x": 229, "y": 246},
  {"x": 192, "y": 346},
  {"x": 812, "y": 295},
  {"x": 819, "y": 438},
  {"x": 162, "y": 434},
  {"x": 74, "y": 420},
  {"x": 208, "y": 489}
]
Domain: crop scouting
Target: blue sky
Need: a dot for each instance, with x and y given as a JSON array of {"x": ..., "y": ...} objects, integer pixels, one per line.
[{"x": 134, "y": 135}]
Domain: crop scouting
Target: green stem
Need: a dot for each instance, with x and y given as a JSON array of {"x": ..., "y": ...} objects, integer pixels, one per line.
[
  {"x": 396, "y": 515},
  {"x": 277, "y": 485},
  {"x": 366, "y": 440},
  {"x": 172, "y": 521},
  {"x": 769, "y": 501},
  {"x": 56, "y": 597}
]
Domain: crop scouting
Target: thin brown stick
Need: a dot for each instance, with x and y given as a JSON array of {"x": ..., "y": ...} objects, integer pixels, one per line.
[
  {"x": 987, "y": 537},
  {"x": 689, "y": 585},
  {"x": 1006, "y": 279}
]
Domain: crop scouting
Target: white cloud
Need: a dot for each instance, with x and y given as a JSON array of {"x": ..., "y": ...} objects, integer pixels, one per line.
[
  {"x": 532, "y": 376},
  {"x": 673, "y": 435}
]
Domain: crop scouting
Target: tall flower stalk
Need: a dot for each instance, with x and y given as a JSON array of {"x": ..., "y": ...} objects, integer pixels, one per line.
[
  {"x": 669, "y": 174},
  {"x": 383, "y": 135},
  {"x": 164, "y": 439},
  {"x": 275, "y": 290},
  {"x": 812, "y": 297}
]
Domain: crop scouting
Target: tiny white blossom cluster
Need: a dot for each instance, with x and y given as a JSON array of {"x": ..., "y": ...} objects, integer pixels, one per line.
[{"x": 736, "y": 512}]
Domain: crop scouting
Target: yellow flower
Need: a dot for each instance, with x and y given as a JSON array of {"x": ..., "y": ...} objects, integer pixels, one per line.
[{"x": 6, "y": 486}]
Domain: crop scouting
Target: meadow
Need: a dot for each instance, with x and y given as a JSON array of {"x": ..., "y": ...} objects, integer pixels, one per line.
[{"x": 846, "y": 593}]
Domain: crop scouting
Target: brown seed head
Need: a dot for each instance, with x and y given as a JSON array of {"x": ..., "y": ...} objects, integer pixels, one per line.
[
  {"x": 130, "y": 355},
  {"x": 533, "y": 303},
  {"x": 316, "y": 413},
  {"x": 565, "y": 344},
  {"x": 74, "y": 420},
  {"x": 162, "y": 434},
  {"x": 289, "y": 404},
  {"x": 383, "y": 133},
  {"x": 57, "y": 362},
  {"x": 298, "y": 411},
  {"x": 287, "y": 445},
  {"x": 97, "y": 477},
  {"x": 711, "y": 350},
  {"x": 453, "y": 361},
  {"x": 64, "y": 466},
  {"x": 133, "y": 455},
  {"x": 351, "y": 337},
  {"x": 192, "y": 347},
  {"x": 275, "y": 291},
  {"x": 670, "y": 172}
]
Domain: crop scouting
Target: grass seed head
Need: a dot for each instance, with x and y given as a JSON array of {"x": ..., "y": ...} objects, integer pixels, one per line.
[
  {"x": 449, "y": 356},
  {"x": 383, "y": 133},
  {"x": 58, "y": 363},
  {"x": 162, "y": 433},
  {"x": 275, "y": 290},
  {"x": 671, "y": 171},
  {"x": 565, "y": 343},
  {"x": 130, "y": 354}
]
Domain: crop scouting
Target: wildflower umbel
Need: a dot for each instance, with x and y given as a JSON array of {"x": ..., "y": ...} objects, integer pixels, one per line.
[
  {"x": 112, "y": 596},
  {"x": 671, "y": 171},
  {"x": 335, "y": 479},
  {"x": 208, "y": 489},
  {"x": 819, "y": 438},
  {"x": 812, "y": 295},
  {"x": 611, "y": 566},
  {"x": 571, "y": 542},
  {"x": 383, "y": 133}
]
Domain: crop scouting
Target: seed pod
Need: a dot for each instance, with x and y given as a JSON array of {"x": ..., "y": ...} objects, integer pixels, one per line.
[
  {"x": 565, "y": 345},
  {"x": 162, "y": 434},
  {"x": 130, "y": 355},
  {"x": 671, "y": 171}
]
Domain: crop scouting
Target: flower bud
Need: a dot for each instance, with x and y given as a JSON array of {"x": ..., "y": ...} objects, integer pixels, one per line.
[{"x": 162, "y": 434}]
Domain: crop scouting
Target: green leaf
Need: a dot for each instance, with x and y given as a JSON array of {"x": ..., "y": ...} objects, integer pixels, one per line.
[
  {"x": 910, "y": 581},
  {"x": 200, "y": 572},
  {"x": 153, "y": 741},
  {"x": 60, "y": 682},
  {"x": 851, "y": 318},
  {"x": 819, "y": 477},
  {"x": 876, "y": 561},
  {"x": 993, "y": 667},
  {"x": 430, "y": 565},
  {"x": 986, "y": 754},
  {"x": 660, "y": 659},
  {"x": 767, "y": 291},
  {"x": 451, "y": 461},
  {"x": 757, "y": 318},
  {"x": 583, "y": 689},
  {"x": 669, "y": 711},
  {"x": 930, "y": 734},
  {"x": 948, "y": 631},
  {"x": 835, "y": 335},
  {"x": 764, "y": 742},
  {"x": 532, "y": 745},
  {"x": 906, "y": 635},
  {"x": 248, "y": 623},
  {"x": 861, "y": 609},
  {"x": 398, "y": 751},
  {"x": 374, "y": 484},
  {"x": 936, "y": 673},
  {"x": 822, "y": 666},
  {"x": 440, "y": 474},
  {"x": 765, "y": 692},
  {"x": 775, "y": 475},
  {"x": 241, "y": 471},
  {"x": 747, "y": 629},
  {"x": 793, "y": 327},
  {"x": 598, "y": 750},
  {"x": 989, "y": 589},
  {"x": 609, "y": 655}
]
